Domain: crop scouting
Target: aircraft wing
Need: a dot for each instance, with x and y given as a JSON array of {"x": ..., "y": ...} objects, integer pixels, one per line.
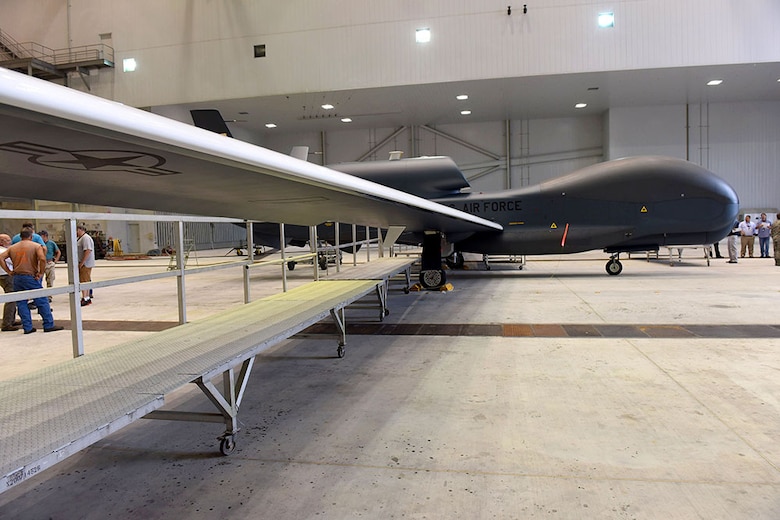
[{"x": 60, "y": 144}]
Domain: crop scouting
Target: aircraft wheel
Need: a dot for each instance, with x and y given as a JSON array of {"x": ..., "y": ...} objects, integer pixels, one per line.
[
  {"x": 432, "y": 278},
  {"x": 614, "y": 267},
  {"x": 227, "y": 445}
]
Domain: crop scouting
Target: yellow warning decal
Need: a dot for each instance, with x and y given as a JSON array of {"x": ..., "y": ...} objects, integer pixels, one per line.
[
  {"x": 643, "y": 210},
  {"x": 554, "y": 226}
]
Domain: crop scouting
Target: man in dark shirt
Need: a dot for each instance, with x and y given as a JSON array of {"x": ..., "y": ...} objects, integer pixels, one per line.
[{"x": 29, "y": 264}]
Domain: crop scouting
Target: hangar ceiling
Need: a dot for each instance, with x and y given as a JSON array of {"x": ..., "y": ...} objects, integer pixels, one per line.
[{"x": 495, "y": 99}]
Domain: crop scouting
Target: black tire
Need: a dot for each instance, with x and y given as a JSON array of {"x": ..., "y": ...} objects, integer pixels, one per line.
[
  {"x": 227, "y": 445},
  {"x": 432, "y": 278},
  {"x": 614, "y": 267}
]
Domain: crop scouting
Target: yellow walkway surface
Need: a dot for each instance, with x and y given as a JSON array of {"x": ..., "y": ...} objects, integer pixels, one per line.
[{"x": 51, "y": 414}]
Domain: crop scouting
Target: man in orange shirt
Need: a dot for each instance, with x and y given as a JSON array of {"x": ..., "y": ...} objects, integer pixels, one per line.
[{"x": 29, "y": 264}]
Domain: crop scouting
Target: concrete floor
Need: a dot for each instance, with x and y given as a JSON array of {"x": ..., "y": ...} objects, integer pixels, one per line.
[{"x": 679, "y": 417}]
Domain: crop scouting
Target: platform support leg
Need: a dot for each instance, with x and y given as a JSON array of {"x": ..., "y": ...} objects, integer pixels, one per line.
[
  {"x": 338, "y": 316},
  {"x": 228, "y": 401},
  {"x": 381, "y": 294}
]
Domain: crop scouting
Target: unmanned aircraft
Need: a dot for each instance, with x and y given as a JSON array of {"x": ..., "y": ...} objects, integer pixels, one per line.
[{"x": 619, "y": 206}]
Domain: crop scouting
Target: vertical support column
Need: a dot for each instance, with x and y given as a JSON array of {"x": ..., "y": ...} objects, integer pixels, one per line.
[
  {"x": 508, "y": 131},
  {"x": 368, "y": 244},
  {"x": 282, "y": 242},
  {"x": 250, "y": 252},
  {"x": 338, "y": 250},
  {"x": 74, "y": 298},
  {"x": 180, "y": 286},
  {"x": 381, "y": 242},
  {"x": 354, "y": 245},
  {"x": 313, "y": 248}
]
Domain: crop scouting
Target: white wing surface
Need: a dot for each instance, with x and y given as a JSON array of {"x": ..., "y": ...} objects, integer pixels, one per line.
[{"x": 60, "y": 144}]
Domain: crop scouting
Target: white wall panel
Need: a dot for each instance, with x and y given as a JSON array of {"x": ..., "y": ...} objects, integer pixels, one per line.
[
  {"x": 744, "y": 148},
  {"x": 658, "y": 130},
  {"x": 316, "y": 45}
]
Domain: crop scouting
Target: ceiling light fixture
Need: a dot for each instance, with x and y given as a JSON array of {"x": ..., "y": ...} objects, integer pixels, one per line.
[
  {"x": 328, "y": 106},
  {"x": 270, "y": 125},
  {"x": 422, "y": 35},
  {"x": 464, "y": 97},
  {"x": 606, "y": 20},
  {"x": 580, "y": 105},
  {"x": 714, "y": 82},
  {"x": 465, "y": 112},
  {"x": 129, "y": 65},
  {"x": 346, "y": 119}
]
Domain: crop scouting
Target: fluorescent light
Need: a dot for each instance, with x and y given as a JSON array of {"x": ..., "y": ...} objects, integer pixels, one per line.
[
  {"x": 465, "y": 112},
  {"x": 606, "y": 20},
  {"x": 580, "y": 105},
  {"x": 346, "y": 119},
  {"x": 328, "y": 106},
  {"x": 270, "y": 125},
  {"x": 129, "y": 64},
  {"x": 714, "y": 82},
  {"x": 464, "y": 97},
  {"x": 422, "y": 35}
]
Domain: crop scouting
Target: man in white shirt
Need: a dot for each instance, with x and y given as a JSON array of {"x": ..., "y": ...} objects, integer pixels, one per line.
[
  {"x": 747, "y": 230},
  {"x": 86, "y": 254}
]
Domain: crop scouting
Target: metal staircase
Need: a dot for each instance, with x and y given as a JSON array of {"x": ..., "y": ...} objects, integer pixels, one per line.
[{"x": 42, "y": 62}]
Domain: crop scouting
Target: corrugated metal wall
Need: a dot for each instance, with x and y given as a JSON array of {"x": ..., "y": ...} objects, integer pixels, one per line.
[
  {"x": 206, "y": 235},
  {"x": 744, "y": 147}
]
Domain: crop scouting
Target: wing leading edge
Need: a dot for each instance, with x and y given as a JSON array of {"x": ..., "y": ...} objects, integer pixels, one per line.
[{"x": 60, "y": 144}]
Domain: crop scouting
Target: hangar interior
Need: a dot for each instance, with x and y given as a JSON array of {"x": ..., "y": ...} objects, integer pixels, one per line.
[{"x": 678, "y": 419}]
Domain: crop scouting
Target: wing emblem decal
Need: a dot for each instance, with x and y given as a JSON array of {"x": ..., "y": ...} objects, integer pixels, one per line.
[{"x": 90, "y": 160}]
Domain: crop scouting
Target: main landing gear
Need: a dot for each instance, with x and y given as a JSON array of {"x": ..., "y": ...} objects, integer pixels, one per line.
[
  {"x": 432, "y": 276},
  {"x": 614, "y": 267}
]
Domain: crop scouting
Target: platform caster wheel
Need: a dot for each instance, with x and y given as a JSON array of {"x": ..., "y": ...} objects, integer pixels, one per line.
[
  {"x": 340, "y": 351},
  {"x": 227, "y": 445},
  {"x": 406, "y": 290},
  {"x": 614, "y": 267}
]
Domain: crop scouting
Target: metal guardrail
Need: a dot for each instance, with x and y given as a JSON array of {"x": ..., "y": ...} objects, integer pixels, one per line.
[
  {"x": 11, "y": 49},
  {"x": 74, "y": 287}
]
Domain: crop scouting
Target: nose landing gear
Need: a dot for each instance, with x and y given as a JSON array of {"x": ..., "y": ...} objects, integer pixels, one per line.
[{"x": 614, "y": 267}]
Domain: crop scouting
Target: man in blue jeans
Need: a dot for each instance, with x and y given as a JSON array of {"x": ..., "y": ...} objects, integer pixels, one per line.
[
  {"x": 764, "y": 229},
  {"x": 29, "y": 264}
]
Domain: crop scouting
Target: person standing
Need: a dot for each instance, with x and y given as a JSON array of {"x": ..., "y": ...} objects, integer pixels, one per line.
[
  {"x": 86, "y": 253},
  {"x": 29, "y": 265},
  {"x": 764, "y": 230},
  {"x": 733, "y": 242},
  {"x": 7, "y": 283},
  {"x": 775, "y": 231},
  {"x": 53, "y": 254},
  {"x": 35, "y": 236},
  {"x": 747, "y": 230}
]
